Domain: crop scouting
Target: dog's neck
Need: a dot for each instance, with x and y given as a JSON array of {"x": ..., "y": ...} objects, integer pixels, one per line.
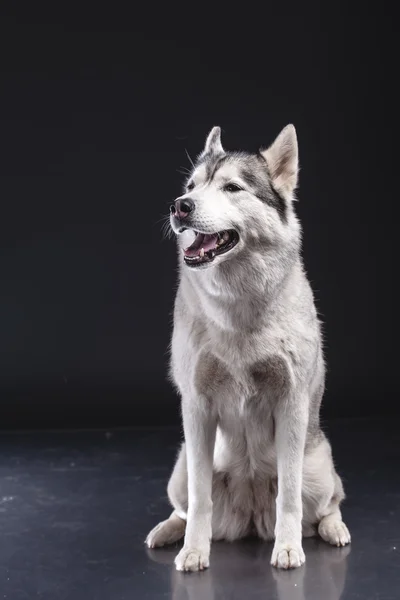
[{"x": 241, "y": 294}]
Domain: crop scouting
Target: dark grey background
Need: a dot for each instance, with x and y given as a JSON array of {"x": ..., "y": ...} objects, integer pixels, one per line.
[{"x": 97, "y": 109}]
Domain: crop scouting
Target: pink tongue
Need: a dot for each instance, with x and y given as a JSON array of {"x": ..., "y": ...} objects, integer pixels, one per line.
[{"x": 206, "y": 241}]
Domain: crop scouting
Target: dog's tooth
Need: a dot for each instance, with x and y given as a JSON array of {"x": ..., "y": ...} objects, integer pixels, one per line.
[
  {"x": 226, "y": 236},
  {"x": 202, "y": 252}
]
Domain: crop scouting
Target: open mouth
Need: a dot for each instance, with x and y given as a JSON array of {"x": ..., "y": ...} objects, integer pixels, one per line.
[{"x": 207, "y": 246}]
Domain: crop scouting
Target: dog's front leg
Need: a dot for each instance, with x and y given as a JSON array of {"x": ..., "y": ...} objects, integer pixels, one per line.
[
  {"x": 199, "y": 425},
  {"x": 291, "y": 419}
]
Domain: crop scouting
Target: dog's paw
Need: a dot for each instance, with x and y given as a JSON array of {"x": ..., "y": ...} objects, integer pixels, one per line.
[
  {"x": 166, "y": 532},
  {"x": 287, "y": 556},
  {"x": 192, "y": 559},
  {"x": 158, "y": 536},
  {"x": 334, "y": 531}
]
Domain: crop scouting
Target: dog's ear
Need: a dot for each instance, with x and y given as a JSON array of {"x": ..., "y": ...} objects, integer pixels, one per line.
[
  {"x": 283, "y": 160},
  {"x": 213, "y": 142}
]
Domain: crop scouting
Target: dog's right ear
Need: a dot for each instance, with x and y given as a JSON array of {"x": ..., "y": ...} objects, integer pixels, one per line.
[{"x": 213, "y": 142}]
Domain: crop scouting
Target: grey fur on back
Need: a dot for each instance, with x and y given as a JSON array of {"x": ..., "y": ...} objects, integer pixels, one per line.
[{"x": 247, "y": 361}]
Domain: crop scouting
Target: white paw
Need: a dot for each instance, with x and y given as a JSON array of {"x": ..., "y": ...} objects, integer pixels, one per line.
[
  {"x": 156, "y": 537},
  {"x": 192, "y": 559},
  {"x": 287, "y": 556},
  {"x": 334, "y": 532},
  {"x": 166, "y": 532}
]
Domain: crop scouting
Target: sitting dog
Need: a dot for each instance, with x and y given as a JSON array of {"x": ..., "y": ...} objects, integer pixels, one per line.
[{"x": 248, "y": 363}]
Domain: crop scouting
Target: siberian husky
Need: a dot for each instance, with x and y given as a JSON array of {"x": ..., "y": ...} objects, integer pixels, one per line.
[{"x": 248, "y": 363}]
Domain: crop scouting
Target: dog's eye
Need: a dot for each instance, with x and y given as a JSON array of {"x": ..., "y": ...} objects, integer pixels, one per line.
[
  {"x": 190, "y": 185},
  {"x": 232, "y": 187}
]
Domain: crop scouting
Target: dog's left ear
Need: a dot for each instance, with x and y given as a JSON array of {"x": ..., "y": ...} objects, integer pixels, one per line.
[
  {"x": 213, "y": 142},
  {"x": 283, "y": 160}
]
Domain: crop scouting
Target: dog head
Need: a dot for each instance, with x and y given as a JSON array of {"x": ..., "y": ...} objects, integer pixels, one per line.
[{"x": 235, "y": 202}]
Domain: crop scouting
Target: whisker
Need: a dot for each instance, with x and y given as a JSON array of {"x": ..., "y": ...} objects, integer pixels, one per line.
[
  {"x": 190, "y": 160},
  {"x": 184, "y": 171},
  {"x": 162, "y": 218},
  {"x": 166, "y": 229}
]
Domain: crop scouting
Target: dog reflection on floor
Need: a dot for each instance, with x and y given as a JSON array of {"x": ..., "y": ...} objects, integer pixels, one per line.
[{"x": 241, "y": 570}]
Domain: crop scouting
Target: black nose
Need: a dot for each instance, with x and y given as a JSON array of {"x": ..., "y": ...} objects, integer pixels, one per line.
[{"x": 182, "y": 207}]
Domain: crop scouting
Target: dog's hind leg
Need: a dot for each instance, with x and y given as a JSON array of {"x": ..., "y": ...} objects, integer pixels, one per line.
[
  {"x": 331, "y": 527},
  {"x": 322, "y": 495},
  {"x": 333, "y": 530},
  {"x": 167, "y": 532},
  {"x": 173, "y": 529}
]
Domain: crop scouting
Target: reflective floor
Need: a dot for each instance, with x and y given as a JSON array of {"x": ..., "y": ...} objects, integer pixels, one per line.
[{"x": 76, "y": 507}]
